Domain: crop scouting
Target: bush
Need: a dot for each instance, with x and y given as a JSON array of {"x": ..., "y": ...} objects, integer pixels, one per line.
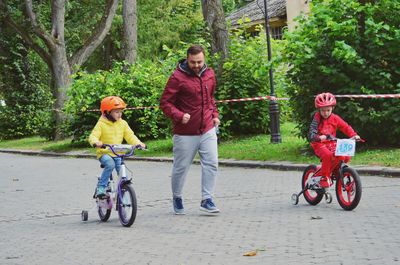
[
  {"x": 26, "y": 100},
  {"x": 345, "y": 47},
  {"x": 246, "y": 74},
  {"x": 141, "y": 86}
]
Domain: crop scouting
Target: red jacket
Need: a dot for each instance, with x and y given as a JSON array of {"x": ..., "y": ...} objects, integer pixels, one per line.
[
  {"x": 320, "y": 126},
  {"x": 186, "y": 92}
]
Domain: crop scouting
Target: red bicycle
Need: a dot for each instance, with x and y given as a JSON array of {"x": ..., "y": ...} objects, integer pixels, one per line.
[{"x": 348, "y": 183}]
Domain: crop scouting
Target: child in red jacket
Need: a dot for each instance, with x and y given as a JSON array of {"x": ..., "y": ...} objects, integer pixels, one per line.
[{"x": 323, "y": 127}]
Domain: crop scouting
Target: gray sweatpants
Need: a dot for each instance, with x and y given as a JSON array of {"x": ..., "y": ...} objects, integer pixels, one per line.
[{"x": 185, "y": 149}]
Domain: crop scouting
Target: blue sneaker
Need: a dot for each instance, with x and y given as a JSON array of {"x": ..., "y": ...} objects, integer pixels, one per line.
[
  {"x": 178, "y": 206},
  {"x": 208, "y": 206},
  {"x": 101, "y": 192}
]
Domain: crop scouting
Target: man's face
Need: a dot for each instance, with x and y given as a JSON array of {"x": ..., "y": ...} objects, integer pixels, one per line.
[{"x": 196, "y": 62}]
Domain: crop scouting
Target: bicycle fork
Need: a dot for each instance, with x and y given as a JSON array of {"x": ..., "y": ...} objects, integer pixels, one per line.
[{"x": 123, "y": 180}]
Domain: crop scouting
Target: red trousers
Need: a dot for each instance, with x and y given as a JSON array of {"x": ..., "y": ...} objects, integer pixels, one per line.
[{"x": 326, "y": 152}]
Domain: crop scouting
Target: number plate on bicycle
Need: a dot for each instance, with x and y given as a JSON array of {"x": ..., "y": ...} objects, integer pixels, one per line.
[{"x": 345, "y": 147}]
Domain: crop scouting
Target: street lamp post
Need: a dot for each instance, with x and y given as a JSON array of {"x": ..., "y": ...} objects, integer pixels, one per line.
[{"x": 273, "y": 104}]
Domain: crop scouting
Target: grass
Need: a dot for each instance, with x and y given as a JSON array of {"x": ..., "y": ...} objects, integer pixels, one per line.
[
  {"x": 258, "y": 147},
  {"x": 35, "y": 143}
]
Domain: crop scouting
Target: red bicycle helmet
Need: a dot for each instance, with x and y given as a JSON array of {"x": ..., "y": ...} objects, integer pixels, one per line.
[
  {"x": 325, "y": 100},
  {"x": 112, "y": 102}
]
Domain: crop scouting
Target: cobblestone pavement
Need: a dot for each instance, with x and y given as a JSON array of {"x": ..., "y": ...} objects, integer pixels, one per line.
[{"x": 42, "y": 197}]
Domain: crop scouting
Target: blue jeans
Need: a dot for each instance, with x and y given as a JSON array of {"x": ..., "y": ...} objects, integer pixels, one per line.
[{"x": 109, "y": 164}]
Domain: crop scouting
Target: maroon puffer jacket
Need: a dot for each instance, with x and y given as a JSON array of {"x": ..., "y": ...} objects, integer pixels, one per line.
[{"x": 186, "y": 92}]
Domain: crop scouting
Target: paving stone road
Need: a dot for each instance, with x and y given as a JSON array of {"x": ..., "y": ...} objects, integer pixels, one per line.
[{"x": 42, "y": 197}]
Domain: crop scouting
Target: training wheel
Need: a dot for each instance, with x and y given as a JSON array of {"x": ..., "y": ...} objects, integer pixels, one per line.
[
  {"x": 328, "y": 197},
  {"x": 84, "y": 215},
  {"x": 295, "y": 199}
]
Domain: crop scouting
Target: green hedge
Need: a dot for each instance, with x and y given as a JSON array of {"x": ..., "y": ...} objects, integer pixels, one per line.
[
  {"x": 345, "y": 47},
  {"x": 246, "y": 74},
  {"x": 141, "y": 85}
]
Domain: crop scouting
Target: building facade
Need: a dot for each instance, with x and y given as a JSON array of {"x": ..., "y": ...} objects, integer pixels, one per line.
[{"x": 281, "y": 15}]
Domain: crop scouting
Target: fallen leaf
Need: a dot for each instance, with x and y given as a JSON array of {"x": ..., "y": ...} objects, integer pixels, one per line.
[
  {"x": 250, "y": 253},
  {"x": 316, "y": 217}
]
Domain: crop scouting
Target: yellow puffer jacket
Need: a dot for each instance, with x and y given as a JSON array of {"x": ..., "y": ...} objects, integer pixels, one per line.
[{"x": 109, "y": 132}]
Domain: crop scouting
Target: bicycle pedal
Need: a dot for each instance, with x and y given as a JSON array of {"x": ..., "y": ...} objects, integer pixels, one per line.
[{"x": 103, "y": 197}]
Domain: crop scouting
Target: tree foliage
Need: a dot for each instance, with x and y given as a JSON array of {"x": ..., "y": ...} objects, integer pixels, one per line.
[
  {"x": 24, "y": 92},
  {"x": 231, "y": 5},
  {"x": 245, "y": 74},
  {"x": 348, "y": 47},
  {"x": 167, "y": 22},
  {"x": 43, "y": 30}
]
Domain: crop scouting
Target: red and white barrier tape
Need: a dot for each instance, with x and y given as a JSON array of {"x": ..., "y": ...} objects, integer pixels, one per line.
[
  {"x": 275, "y": 98},
  {"x": 370, "y": 96},
  {"x": 217, "y": 101},
  {"x": 130, "y": 108},
  {"x": 250, "y": 99}
]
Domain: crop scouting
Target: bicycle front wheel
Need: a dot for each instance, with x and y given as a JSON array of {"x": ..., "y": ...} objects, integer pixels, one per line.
[
  {"x": 127, "y": 207},
  {"x": 348, "y": 189}
]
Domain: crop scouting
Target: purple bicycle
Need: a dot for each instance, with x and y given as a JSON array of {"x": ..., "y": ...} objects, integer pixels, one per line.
[{"x": 123, "y": 196}]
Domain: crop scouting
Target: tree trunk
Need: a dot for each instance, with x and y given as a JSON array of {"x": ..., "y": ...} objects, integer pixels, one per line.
[
  {"x": 61, "y": 81},
  {"x": 130, "y": 30},
  {"x": 108, "y": 51},
  {"x": 52, "y": 48},
  {"x": 213, "y": 14}
]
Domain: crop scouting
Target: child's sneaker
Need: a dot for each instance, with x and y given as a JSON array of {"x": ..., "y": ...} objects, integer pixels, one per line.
[
  {"x": 207, "y": 205},
  {"x": 178, "y": 206},
  {"x": 325, "y": 182},
  {"x": 101, "y": 193}
]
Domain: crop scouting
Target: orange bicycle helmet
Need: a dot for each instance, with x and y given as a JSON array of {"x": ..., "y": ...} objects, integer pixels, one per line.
[
  {"x": 325, "y": 100},
  {"x": 110, "y": 103}
]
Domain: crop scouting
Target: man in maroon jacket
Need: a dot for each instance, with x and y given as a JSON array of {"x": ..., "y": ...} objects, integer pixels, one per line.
[{"x": 188, "y": 100}]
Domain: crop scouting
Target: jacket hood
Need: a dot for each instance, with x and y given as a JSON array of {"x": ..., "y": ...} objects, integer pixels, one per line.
[
  {"x": 106, "y": 120},
  {"x": 184, "y": 67}
]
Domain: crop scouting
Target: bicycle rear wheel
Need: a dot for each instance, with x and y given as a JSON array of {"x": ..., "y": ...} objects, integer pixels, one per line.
[
  {"x": 349, "y": 189},
  {"x": 312, "y": 197},
  {"x": 127, "y": 207}
]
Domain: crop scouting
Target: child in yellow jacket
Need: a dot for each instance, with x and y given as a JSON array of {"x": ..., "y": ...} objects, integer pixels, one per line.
[{"x": 110, "y": 129}]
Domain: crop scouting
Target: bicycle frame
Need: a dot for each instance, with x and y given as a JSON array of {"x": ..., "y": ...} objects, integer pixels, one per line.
[
  {"x": 122, "y": 176},
  {"x": 126, "y": 206}
]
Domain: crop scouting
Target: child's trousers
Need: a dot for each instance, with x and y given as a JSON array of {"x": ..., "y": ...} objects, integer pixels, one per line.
[
  {"x": 109, "y": 163},
  {"x": 326, "y": 152}
]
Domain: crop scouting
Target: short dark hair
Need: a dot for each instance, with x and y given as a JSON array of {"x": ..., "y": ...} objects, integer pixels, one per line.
[{"x": 194, "y": 50}]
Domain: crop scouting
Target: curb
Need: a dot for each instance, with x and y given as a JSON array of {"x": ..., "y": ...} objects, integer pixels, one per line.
[{"x": 276, "y": 165}]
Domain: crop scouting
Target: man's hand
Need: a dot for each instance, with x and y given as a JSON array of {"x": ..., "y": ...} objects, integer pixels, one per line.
[{"x": 186, "y": 118}]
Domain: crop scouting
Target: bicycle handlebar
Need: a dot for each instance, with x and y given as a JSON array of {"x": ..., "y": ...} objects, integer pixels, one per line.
[
  {"x": 332, "y": 138},
  {"x": 128, "y": 149}
]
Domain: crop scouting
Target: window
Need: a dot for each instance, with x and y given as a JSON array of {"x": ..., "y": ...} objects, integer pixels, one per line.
[{"x": 276, "y": 33}]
